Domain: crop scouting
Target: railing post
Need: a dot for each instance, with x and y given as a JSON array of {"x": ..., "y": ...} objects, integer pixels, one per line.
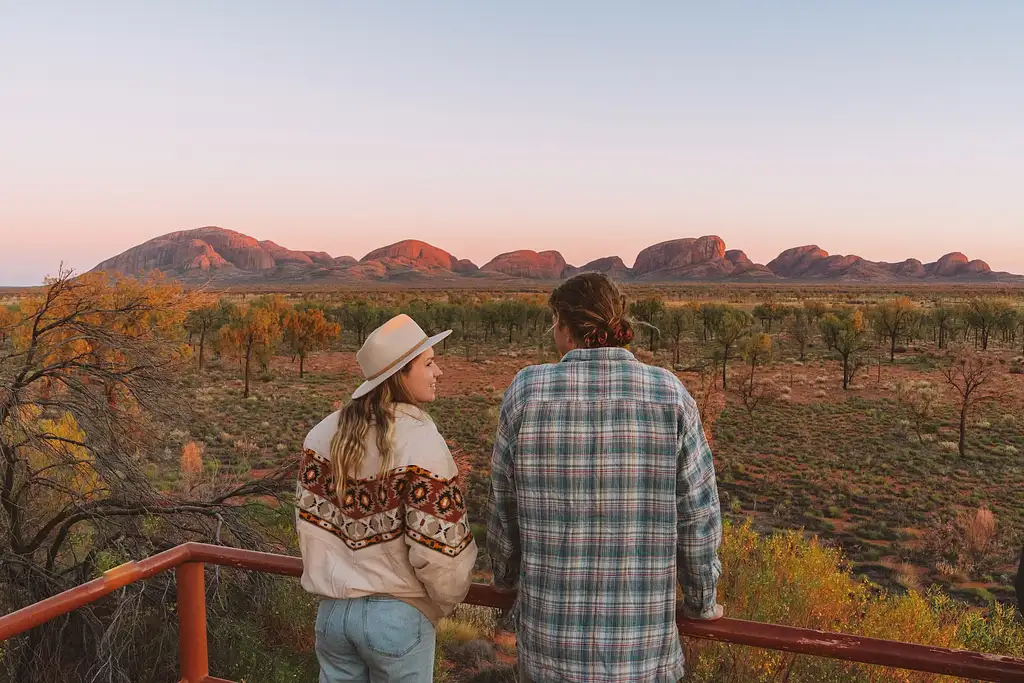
[{"x": 192, "y": 648}]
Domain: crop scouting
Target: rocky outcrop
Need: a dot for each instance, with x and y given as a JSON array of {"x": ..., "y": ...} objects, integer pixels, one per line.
[
  {"x": 612, "y": 266},
  {"x": 956, "y": 264},
  {"x": 321, "y": 258},
  {"x": 544, "y": 265},
  {"x": 284, "y": 256},
  {"x": 417, "y": 254},
  {"x": 797, "y": 262},
  {"x": 682, "y": 256},
  {"x": 220, "y": 254},
  {"x": 948, "y": 265},
  {"x": 812, "y": 263},
  {"x": 910, "y": 268},
  {"x": 744, "y": 268},
  {"x": 203, "y": 250},
  {"x": 976, "y": 267}
]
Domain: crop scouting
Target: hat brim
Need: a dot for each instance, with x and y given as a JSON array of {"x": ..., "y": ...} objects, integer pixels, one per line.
[{"x": 369, "y": 385}]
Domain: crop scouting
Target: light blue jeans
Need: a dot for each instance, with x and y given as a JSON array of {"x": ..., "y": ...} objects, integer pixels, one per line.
[{"x": 375, "y": 639}]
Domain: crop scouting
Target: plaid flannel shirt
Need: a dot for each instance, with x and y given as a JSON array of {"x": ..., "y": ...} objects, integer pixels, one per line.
[{"x": 603, "y": 494}]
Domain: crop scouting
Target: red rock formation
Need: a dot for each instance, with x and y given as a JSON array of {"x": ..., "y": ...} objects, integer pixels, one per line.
[
  {"x": 546, "y": 265},
  {"x": 204, "y": 249},
  {"x": 218, "y": 253},
  {"x": 976, "y": 267},
  {"x": 284, "y": 256},
  {"x": 910, "y": 268},
  {"x": 796, "y": 262},
  {"x": 948, "y": 265},
  {"x": 612, "y": 266},
  {"x": 419, "y": 255},
  {"x": 744, "y": 268},
  {"x": 679, "y": 255},
  {"x": 321, "y": 258}
]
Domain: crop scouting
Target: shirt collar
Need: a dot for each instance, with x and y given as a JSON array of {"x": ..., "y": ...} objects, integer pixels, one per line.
[
  {"x": 602, "y": 354},
  {"x": 410, "y": 410}
]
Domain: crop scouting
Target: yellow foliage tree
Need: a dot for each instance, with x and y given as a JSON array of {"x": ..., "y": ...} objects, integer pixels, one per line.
[
  {"x": 307, "y": 331},
  {"x": 846, "y": 334},
  {"x": 90, "y": 387},
  {"x": 757, "y": 348},
  {"x": 250, "y": 331}
]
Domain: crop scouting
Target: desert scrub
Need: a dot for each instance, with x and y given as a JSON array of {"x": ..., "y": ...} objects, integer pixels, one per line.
[{"x": 788, "y": 579}]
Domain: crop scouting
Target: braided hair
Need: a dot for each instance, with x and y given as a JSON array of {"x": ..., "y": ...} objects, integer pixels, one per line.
[{"x": 594, "y": 311}]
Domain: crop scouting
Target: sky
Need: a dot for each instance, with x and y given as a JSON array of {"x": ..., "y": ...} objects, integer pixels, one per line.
[{"x": 886, "y": 129}]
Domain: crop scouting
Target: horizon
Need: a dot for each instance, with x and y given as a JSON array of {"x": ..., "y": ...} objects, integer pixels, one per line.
[{"x": 885, "y": 132}]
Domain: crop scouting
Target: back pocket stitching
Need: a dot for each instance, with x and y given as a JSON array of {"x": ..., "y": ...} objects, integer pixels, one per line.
[{"x": 366, "y": 629}]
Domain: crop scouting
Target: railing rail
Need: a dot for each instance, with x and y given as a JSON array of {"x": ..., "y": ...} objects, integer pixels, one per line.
[{"x": 188, "y": 561}]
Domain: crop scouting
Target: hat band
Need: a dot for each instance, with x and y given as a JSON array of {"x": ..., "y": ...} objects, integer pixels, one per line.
[{"x": 398, "y": 360}]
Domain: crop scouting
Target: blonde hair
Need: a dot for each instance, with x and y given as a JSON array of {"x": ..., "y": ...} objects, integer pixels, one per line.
[{"x": 376, "y": 409}]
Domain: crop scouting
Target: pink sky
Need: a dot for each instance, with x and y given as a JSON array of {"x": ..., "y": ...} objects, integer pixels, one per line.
[{"x": 876, "y": 131}]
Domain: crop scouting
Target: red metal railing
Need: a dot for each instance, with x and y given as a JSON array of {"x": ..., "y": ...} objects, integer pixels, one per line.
[{"x": 188, "y": 561}]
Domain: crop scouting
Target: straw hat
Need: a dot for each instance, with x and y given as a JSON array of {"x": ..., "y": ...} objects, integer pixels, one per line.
[{"x": 389, "y": 348}]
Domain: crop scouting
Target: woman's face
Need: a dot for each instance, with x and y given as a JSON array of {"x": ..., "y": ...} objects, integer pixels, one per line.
[{"x": 421, "y": 378}]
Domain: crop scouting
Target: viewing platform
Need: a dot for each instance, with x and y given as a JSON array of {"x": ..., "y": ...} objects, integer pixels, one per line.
[{"x": 189, "y": 559}]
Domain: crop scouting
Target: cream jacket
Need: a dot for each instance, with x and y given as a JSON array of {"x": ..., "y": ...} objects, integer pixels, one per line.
[{"x": 406, "y": 536}]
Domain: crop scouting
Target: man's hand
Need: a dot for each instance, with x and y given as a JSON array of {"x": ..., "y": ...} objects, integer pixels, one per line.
[{"x": 712, "y": 615}]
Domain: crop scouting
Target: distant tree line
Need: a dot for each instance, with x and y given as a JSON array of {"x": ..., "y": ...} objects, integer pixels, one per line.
[
  {"x": 722, "y": 333},
  {"x": 267, "y": 325}
]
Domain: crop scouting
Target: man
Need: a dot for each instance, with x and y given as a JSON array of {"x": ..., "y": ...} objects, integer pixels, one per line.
[{"x": 603, "y": 494}]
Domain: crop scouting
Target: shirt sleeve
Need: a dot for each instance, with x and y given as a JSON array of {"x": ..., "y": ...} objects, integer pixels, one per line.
[
  {"x": 441, "y": 546},
  {"x": 698, "y": 518},
  {"x": 503, "y": 543}
]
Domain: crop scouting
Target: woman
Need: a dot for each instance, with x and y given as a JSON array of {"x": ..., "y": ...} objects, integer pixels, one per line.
[{"x": 382, "y": 524}]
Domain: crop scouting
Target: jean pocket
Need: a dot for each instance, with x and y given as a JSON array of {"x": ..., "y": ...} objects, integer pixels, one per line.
[
  {"x": 392, "y": 627},
  {"x": 324, "y": 614}
]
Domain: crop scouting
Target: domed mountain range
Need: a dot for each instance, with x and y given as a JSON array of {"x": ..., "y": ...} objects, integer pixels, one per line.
[{"x": 221, "y": 255}]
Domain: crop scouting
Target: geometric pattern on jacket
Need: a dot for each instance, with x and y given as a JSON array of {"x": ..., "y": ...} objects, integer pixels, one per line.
[{"x": 411, "y": 501}]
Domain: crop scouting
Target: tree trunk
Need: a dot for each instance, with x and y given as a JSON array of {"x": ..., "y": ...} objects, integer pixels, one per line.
[
  {"x": 725, "y": 362},
  {"x": 302, "y": 365},
  {"x": 202, "y": 345},
  {"x": 892, "y": 349},
  {"x": 962, "y": 444},
  {"x": 248, "y": 353},
  {"x": 846, "y": 372}
]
